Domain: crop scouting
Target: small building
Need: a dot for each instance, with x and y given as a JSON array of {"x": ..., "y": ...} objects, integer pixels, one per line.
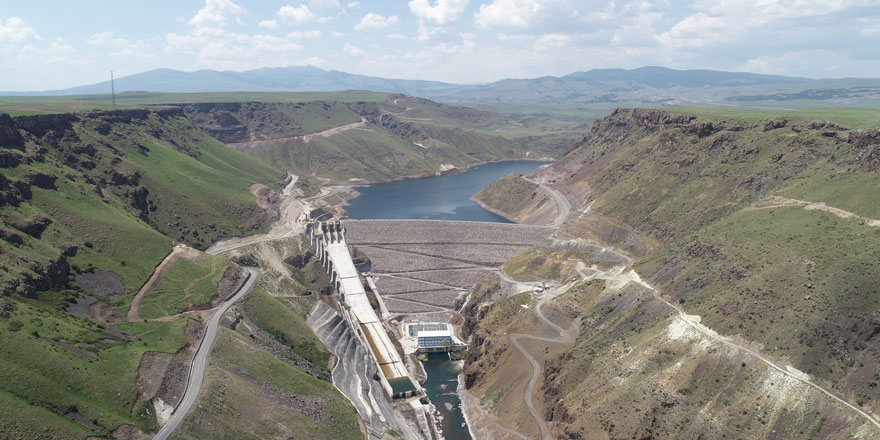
[
  {"x": 435, "y": 338},
  {"x": 430, "y": 337}
]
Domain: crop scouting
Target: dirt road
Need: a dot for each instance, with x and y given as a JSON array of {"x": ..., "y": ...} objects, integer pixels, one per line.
[
  {"x": 562, "y": 204},
  {"x": 200, "y": 359},
  {"x": 774, "y": 201},
  {"x": 177, "y": 251},
  {"x": 564, "y": 339},
  {"x": 306, "y": 138}
]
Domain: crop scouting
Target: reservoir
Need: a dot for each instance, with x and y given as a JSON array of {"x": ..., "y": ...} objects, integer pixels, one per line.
[
  {"x": 435, "y": 198},
  {"x": 438, "y": 198}
]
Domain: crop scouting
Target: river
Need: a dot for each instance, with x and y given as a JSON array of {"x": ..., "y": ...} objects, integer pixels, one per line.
[{"x": 438, "y": 198}]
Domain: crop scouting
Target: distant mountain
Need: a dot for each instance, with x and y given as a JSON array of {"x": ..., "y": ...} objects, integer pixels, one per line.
[
  {"x": 313, "y": 79},
  {"x": 280, "y": 79},
  {"x": 642, "y": 86}
]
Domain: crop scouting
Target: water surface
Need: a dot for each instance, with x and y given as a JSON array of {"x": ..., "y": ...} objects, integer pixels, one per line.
[
  {"x": 435, "y": 198},
  {"x": 441, "y": 387}
]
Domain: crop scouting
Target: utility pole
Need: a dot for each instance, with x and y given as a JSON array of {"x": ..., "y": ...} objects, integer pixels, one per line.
[{"x": 113, "y": 90}]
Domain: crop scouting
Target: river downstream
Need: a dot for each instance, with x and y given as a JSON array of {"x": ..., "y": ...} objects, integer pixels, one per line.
[{"x": 438, "y": 198}]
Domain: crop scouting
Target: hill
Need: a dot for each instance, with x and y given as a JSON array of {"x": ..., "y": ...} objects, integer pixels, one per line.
[
  {"x": 90, "y": 204},
  {"x": 760, "y": 227},
  {"x": 389, "y": 137}
]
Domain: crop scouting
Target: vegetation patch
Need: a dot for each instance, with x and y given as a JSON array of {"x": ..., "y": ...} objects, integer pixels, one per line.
[
  {"x": 249, "y": 393},
  {"x": 287, "y": 326},
  {"x": 185, "y": 284}
]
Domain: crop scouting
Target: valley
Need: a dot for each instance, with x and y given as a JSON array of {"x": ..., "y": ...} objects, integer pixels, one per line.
[{"x": 674, "y": 262}]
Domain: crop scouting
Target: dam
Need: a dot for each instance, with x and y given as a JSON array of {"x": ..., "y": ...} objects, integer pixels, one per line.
[
  {"x": 356, "y": 308},
  {"x": 417, "y": 266}
]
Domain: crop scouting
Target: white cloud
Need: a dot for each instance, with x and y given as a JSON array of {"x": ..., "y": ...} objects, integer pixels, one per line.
[
  {"x": 269, "y": 24},
  {"x": 15, "y": 30},
  {"x": 371, "y": 22},
  {"x": 326, "y": 8},
  {"x": 397, "y": 37},
  {"x": 123, "y": 48},
  {"x": 337, "y": 34},
  {"x": 295, "y": 15},
  {"x": 433, "y": 17},
  {"x": 549, "y": 41},
  {"x": 509, "y": 14},
  {"x": 714, "y": 23},
  {"x": 820, "y": 63},
  {"x": 215, "y": 13},
  {"x": 300, "y": 34},
  {"x": 58, "y": 52},
  {"x": 442, "y": 13},
  {"x": 104, "y": 38},
  {"x": 353, "y": 5},
  {"x": 353, "y": 51},
  {"x": 216, "y": 48}
]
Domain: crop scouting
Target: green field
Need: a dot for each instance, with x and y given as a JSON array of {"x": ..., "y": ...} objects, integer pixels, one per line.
[
  {"x": 249, "y": 394},
  {"x": 101, "y": 389},
  {"x": 186, "y": 283},
  {"x": 285, "y": 325},
  {"x": 18, "y": 105}
]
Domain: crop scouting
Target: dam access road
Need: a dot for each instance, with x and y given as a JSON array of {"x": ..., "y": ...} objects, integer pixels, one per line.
[{"x": 200, "y": 359}]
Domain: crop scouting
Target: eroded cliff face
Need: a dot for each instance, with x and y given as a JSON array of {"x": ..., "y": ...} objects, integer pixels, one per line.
[
  {"x": 93, "y": 180},
  {"x": 762, "y": 231}
]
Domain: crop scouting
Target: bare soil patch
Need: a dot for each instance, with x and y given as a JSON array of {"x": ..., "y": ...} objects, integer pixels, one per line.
[
  {"x": 100, "y": 282},
  {"x": 72, "y": 348}
]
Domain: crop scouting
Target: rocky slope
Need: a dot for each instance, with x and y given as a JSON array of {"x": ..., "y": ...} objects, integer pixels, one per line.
[
  {"x": 761, "y": 225},
  {"x": 390, "y": 138},
  {"x": 518, "y": 200}
]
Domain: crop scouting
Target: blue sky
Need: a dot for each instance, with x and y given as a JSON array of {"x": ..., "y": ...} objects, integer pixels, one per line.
[{"x": 57, "y": 44}]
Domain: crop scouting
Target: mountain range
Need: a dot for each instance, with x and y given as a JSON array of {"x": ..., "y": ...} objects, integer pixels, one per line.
[{"x": 650, "y": 84}]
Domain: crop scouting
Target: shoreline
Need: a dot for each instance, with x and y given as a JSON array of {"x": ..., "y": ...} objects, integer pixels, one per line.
[
  {"x": 465, "y": 406},
  {"x": 497, "y": 212},
  {"x": 358, "y": 183}
]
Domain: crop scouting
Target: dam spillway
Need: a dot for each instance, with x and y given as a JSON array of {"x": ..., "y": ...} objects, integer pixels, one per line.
[{"x": 328, "y": 240}]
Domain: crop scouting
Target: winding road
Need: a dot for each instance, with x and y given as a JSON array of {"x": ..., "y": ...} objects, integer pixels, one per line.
[
  {"x": 562, "y": 204},
  {"x": 200, "y": 359},
  {"x": 564, "y": 339}
]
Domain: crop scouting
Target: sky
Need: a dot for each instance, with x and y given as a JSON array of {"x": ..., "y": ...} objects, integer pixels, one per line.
[{"x": 47, "y": 45}]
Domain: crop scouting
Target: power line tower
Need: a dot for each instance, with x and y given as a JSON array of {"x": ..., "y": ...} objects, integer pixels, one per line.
[{"x": 113, "y": 90}]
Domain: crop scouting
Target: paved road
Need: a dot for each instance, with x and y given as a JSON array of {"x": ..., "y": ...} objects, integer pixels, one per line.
[
  {"x": 200, "y": 360},
  {"x": 564, "y": 339}
]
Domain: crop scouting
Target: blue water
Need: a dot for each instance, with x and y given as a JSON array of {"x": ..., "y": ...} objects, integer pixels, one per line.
[
  {"x": 442, "y": 388},
  {"x": 435, "y": 198}
]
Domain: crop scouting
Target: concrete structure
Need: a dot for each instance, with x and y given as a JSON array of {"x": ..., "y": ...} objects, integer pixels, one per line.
[
  {"x": 421, "y": 266},
  {"x": 328, "y": 240},
  {"x": 435, "y": 338},
  {"x": 430, "y": 337}
]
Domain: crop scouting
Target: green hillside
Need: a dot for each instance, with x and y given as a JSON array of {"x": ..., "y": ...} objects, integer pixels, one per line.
[{"x": 90, "y": 203}]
